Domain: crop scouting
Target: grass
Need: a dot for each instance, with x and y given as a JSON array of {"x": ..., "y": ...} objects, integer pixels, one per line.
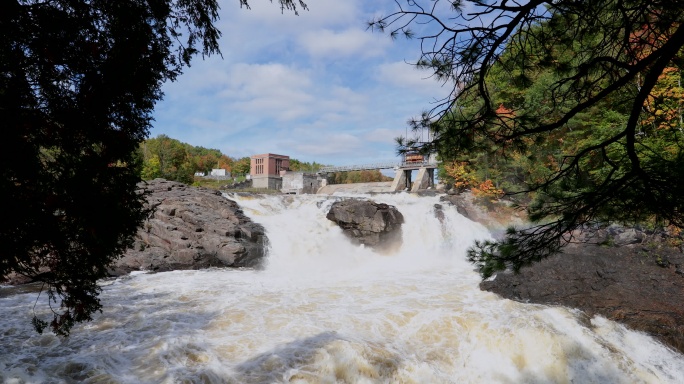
[
  {"x": 217, "y": 184},
  {"x": 214, "y": 184}
]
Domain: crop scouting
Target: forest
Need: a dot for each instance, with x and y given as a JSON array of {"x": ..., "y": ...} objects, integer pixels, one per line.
[{"x": 171, "y": 159}]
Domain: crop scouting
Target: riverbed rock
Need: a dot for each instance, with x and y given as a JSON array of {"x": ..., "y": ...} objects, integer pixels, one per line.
[
  {"x": 627, "y": 274},
  {"x": 376, "y": 225},
  {"x": 192, "y": 228},
  {"x": 640, "y": 285},
  {"x": 496, "y": 215}
]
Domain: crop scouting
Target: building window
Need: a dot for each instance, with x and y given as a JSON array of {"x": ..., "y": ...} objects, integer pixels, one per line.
[{"x": 259, "y": 165}]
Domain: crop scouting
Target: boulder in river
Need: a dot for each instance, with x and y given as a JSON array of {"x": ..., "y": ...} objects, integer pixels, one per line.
[
  {"x": 192, "y": 228},
  {"x": 376, "y": 225}
]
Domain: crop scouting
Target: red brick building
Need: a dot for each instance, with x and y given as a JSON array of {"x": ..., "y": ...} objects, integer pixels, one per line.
[{"x": 265, "y": 170}]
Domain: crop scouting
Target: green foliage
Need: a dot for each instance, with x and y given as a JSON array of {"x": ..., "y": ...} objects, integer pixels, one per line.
[
  {"x": 298, "y": 166},
  {"x": 576, "y": 104},
  {"x": 173, "y": 160},
  {"x": 241, "y": 166},
  {"x": 352, "y": 177}
]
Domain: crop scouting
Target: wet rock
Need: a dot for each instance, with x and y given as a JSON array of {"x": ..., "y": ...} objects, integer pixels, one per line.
[
  {"x": 628, "y": 236},
  {"x": 192, "y": 228},
  {"x": 640, "y": 286},
  {"x": 679, "y": 270},
  {"x": 628, "y": 274},
  {"x": 366, "y": 222},
  {"x": 439, "y": 212},
  {"x": 495, "y": 215}
]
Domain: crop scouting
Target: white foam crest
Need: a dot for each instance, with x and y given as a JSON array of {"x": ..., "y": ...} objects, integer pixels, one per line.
[{"x": 304, "y": 245}]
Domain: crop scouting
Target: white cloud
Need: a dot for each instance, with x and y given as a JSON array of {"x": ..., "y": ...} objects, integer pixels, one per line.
[
  {"x": 258, "y": 79},
  {"x": 335, "y": 144},
  {"x": 295, "y": 85},
  {"x": 403, "y": 75},
  {"x": 351, "y": 42},
  {"x": 383, "y": 135},
  {"x": 265, "y": 28},
  {"x": 272, "y": 90}
]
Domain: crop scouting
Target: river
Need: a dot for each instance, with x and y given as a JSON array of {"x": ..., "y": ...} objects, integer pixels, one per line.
[{"x": 325, "y": 311}]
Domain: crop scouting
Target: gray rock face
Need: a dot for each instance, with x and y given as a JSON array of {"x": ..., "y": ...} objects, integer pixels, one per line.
[
  {"x": 366, "y": 222},
  {"x": 192, "y": 228},
  {"x": 639, "y": 285},
  {"x": 496, "y": 216}
]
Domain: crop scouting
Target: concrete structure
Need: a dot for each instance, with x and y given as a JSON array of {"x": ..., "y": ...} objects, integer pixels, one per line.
[
  {"x": 300, "y": 182},
  {"x": 425, "y": 178},
  {"x": 218, "y": 172},
  {"x": 377, "y": 187},
  {"x": 265, "y": 170},
  {"x": 425, "y": 165}
]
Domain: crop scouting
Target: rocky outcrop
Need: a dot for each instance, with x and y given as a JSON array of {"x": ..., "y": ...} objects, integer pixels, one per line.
[
  {"x": 366, "y": 222},
  {"x": 639, "y": 283},
  {"x": 192, "y": 228},
  {"x": 627, "y": 274},
  {"x": 496, "y": 215}
]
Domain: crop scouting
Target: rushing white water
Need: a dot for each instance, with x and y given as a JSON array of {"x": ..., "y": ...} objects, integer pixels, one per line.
[{"x": 325, "y": 311}]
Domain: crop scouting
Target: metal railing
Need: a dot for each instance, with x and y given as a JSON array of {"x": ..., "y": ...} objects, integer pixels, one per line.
[
  {"x": 363, "y": 167},
  {"x": 411, "y": 164},
  {"x": 385, "y": 165}
]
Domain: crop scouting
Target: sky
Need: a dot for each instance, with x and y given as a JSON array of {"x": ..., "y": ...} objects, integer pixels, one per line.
[{"x": 316, "y": 87}]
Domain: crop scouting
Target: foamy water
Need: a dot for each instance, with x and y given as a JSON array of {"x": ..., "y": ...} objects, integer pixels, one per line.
[{"x": 326, "y": 311}]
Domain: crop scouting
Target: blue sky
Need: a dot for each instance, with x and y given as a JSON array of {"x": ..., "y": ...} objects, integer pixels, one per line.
[{"x": 316, "y": 87}]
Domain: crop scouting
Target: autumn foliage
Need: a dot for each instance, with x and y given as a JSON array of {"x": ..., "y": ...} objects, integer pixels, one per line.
[{"x": 463, "y": 178}]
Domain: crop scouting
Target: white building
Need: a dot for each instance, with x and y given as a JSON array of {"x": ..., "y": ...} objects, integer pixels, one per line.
[{"x": 299, "y": 183}]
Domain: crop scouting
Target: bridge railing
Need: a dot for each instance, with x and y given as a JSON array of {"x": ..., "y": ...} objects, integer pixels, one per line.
[
  {"x": 412, "y": 164},
  {"x": 362, "y": 167},
  {"x": 385, "y": 165}
]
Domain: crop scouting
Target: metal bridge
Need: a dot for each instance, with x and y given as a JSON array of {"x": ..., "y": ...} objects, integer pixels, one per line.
[
  {"x": 425, "y": 165},
  {"x": 382, "y": 165},
  {"x": 362, "y": 167}
]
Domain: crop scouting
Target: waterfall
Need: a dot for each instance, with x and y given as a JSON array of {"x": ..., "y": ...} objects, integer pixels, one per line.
[{"x": 323, "y": 310}]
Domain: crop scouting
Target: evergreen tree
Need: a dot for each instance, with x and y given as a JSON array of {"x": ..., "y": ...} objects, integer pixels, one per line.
[{"x": 78, "y": 82}]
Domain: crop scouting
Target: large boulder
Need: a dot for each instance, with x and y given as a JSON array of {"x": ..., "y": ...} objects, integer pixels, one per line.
[
  {"x": 366, "y": 222},
  {"x": 192, "y": 228}
]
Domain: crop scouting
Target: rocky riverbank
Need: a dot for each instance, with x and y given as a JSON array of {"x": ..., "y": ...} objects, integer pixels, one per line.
[
  {"x": 641, "y": 286},
  {"x": 629, "y": 275},
  {"x": 189, "y": 228},
  {"x": 192, "y": 228}
]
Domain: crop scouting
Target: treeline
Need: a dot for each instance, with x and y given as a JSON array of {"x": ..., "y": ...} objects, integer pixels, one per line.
[
  {"x": 352, "y": 177},
  {"x": 174, "y": 160},
  {"x": 300, "y": 166}
]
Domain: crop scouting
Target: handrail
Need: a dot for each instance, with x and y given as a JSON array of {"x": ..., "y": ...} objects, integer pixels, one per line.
[{"x": 387, "y": 165}]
